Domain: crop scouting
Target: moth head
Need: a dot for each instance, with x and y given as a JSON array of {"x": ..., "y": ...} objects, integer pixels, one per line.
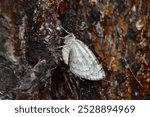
[{"x": 69, "y": 38}]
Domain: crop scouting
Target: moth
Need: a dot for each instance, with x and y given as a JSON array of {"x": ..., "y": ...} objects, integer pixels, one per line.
[{"x": 81, "y": 60}]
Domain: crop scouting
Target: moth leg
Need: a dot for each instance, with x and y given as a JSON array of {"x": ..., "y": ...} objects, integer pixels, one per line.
[{"x": 53, "y": 49}]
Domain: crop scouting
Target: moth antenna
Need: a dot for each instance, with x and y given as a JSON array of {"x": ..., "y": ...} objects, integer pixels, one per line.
[
  {"x": 65, "y": 30},
  {"x": 60, "y": 28}
]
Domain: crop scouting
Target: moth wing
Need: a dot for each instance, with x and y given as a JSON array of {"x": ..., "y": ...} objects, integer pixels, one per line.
[
  {"x": 65, "y": 54},
  {"x": 83, "y": 63}
]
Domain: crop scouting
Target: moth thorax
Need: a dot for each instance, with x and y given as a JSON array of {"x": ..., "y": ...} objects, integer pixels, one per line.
[{"x": 69, "y": 39}]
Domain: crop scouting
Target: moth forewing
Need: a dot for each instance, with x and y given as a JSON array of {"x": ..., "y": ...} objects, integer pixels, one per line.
[{"x": 83, "y": 62}]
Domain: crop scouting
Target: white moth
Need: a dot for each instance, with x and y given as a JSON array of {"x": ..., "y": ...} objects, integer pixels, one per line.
[{"x": 82, "y": 62}]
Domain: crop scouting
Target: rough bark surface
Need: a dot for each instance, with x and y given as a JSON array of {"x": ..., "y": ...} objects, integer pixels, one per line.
[{"x": 117, "y": 31}]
